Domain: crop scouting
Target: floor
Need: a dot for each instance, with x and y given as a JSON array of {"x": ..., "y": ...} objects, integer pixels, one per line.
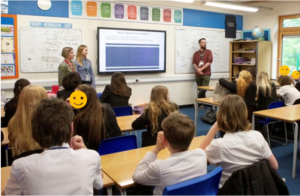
[{"x": 283, "y": 154}]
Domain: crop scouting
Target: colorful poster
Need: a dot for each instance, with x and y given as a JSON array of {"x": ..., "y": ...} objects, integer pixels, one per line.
[
  {"x": 178, "y": 16},
  {"x": 156, "y": 14},
  {"x": 76, "y": 7},
  {"x": 7, "y": 44},
  {"x": 91, "y": 9},
  {"x": 8, "y": 70},
  {"x": 105, "y": 10},
  {"x": 132, "y": 12},
  {"x": 144, "y": 13},
  {"x": 167, "y": 15},
  {"x": 7, "y": 30},
  {"x": 119, "y": 11},
  {"x": 7, "y": 59}
]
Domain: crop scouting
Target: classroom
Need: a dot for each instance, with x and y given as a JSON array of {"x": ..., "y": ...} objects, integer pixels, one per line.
[{"x": 134, "y": 64}]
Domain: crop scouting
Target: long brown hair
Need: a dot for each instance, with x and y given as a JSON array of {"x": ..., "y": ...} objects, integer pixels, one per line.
[
  {"x": 244, "y": 80},
  {"x": 19, "y": 127},
  {"x": 263, "y": 85},
  {"x": 19, "y": 85},
  {"x": 119, "y": 85},
  {"x": 91, "y": 116},
  {"x": 79, "y": 55},
  {"x": 158, "y": 103}
]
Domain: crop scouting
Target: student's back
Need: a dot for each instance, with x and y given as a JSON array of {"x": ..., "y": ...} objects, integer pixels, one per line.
[
  {"x": 287, "y": 91},
  {"x": 266, "y": 91}
]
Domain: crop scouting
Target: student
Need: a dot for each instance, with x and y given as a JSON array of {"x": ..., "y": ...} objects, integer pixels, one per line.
[
  {"x": 19, "y": 127},
  {"x": 298, "y": 86},
  {"x": 59, "y": 169},
  {"x": 240, "y": 147},
  {"x": 118, "y": 93},
  {"x": 244, "y": 87},
  {"x": 69, "y": 82},
  {"x": 11, "y": 106},
  {"x": 266, "y": 91},
  {"x": 67, "y": 65},
  {"x": 84, "y": 66},
  {"x": 287, "y": 91},
  {"x": 178, "y": 133},
  {"x": 252, "y": 72},
  {"x": 158, "y": 109},
  {"x": 95, "y": 121}
]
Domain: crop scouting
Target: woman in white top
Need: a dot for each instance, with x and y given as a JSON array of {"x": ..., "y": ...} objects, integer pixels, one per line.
[
  {"x": 287, "y": 90},
  {"x": 240, "y": 147}
]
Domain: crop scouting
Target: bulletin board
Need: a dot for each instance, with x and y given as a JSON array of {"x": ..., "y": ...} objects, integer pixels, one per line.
[{"x": 9, "y": 47}]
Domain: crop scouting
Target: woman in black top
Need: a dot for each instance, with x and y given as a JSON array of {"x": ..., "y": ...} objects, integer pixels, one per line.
[
  {"x": 118, "y": 93},
  {"x": 158, "y": 109},
  {"x": 69, "y": 82},
  {"x": 95, "y": 121},
  {"x": 266, "y": 91},
  {"x": 11, "y": 106}
]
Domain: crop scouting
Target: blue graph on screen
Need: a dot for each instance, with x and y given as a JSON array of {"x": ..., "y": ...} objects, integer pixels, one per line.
[{"x": 132, "y": 56}]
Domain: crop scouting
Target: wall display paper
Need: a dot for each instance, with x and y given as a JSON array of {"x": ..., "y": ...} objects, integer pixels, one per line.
[
  {"x": 91, "y": 9},
  {"x": 76, "y": 9},
  {"x": 7, "y": 44},
  {"x": 7, "y": 59}
]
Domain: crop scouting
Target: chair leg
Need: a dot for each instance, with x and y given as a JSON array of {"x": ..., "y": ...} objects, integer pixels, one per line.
[
  {"x": 286, "y": 139},
  {"x": 268, "y": 135}
]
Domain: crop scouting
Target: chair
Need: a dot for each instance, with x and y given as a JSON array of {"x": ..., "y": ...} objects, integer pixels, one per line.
[
  {"x": 203, "y": 185},
  {"x": 117, "y": 144},
  {"x": 268, "y": 121},
  {"x": 123, "y": 111},
  {"x": 99, "y": 95},
  {"x": 297, "y": 102}
]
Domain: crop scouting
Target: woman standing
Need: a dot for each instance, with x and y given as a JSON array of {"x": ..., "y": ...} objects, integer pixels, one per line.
[
  {"x": 84, "y": 66},
  {"x": 67, "y": 65}
]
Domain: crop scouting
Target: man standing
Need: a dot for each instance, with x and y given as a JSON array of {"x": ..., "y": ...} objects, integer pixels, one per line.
[{"x": 201, "y": 61}]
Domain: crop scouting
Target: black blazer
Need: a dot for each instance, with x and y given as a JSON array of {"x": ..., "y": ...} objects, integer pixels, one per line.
[
  {"x": 264, "y": 102},
  {"x": 112, "y": 99},
  {"x": 149, "y": 139},
  {"x": 64, "y": 94},
  {"x": 10, "y": 110}
]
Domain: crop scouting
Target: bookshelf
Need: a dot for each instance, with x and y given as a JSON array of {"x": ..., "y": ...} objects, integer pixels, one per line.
[{"x": 262, "y": 55}]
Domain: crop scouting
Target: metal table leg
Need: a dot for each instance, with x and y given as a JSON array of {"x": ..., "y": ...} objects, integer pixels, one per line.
[{"x": 296, "y": 129}]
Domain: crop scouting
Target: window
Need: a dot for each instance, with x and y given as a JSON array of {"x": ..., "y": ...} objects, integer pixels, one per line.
[{"x": 294, "y": 22}]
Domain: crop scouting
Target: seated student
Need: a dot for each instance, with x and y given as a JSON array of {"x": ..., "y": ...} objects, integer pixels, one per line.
[
  {"x": 244, "y": 87},
  {"x": 95, "y": 121},
  {"x": 69, "y": 82},
  {"x": 19, "y": 127},
  {"x": 117, "y": 93},
  {"x": 287, "y": 91},
  {"x": 266, "y": 91},
  {"x": 158, "y": 109},
  {"x": 240, "y": 146},
  {"x": 11, "y": 106},
  {"x": 252, "y": 72},
  {"x": 59, "y": 170},
  {"x": 178, "y": 133}
]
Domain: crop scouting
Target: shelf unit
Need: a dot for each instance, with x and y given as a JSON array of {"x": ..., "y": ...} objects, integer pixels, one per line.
[{"x": 262, "y": 55}]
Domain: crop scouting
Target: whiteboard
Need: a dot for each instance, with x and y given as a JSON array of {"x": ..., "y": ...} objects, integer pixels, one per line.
[
  {"x": 186, "y": 44},
  {"x": 41, "y": 47}
]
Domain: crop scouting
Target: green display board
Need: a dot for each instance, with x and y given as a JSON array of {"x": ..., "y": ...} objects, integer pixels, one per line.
[
  {"x": 178, "y": 16},
  {"x": 156, "y": 14},
  {"x": 105, "y": 10}
]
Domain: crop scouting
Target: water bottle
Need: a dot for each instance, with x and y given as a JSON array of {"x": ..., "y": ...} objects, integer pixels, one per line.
[{"x": 3, "y": 97}]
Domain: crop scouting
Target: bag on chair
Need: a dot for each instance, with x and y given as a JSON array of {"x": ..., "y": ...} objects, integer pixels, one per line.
[
  {"x": 210, "y": 116},
  {"x": 219, "y": 93}
]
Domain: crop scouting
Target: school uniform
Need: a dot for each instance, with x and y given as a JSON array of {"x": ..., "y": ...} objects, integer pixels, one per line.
[
  {"x": 112, "y": 99},
  {"x": 10, "y": 110},
  {"x": 56, "y": 171},
  {"x": 264, "y": 102},
  {"x": 181, "y": 166},
  {"x": 64, "y": 94},
  {"x": 289, "y": 93},
  {"x": 86, "y": 72},
  {"x": 237, "y": 150}
]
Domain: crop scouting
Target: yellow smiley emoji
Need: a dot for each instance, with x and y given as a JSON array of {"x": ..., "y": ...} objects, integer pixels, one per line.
[
  {"x": 78, "y": 99},
  {"x": 284, "y": 70},
  {"x": 295, "y": 75}
]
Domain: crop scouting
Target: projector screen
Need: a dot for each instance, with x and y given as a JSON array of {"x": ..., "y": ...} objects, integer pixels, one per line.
[{"x": 131, "y": 51}]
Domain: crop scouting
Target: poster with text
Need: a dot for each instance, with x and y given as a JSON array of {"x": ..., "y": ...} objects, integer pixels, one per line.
[{"x": 76, "y": 9}]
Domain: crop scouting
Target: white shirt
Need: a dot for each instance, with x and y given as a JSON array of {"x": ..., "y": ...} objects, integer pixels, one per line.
[
  {"x": 237, "y": 150},
  {"x": 289, "y": 93},
  {"x": 56, "y": 172},
  {"x": 179, "y": 167}
]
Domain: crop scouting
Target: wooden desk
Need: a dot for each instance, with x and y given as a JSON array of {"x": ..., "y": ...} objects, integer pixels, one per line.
[
  {"x": 2, "y": 113},
  {"x": 5, "y": 134},
  {"x": 289, "y": 114},
  {"x": 207, "y": 101},
  {"x": 121, "y": 166},
  {"x": 5, "y": 173},
  {"x": 125, "y": 122},
  {"x": 208, "y": 88}
]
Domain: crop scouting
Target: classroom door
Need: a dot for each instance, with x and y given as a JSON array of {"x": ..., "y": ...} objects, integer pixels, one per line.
[{"x": 290, "y": 53}]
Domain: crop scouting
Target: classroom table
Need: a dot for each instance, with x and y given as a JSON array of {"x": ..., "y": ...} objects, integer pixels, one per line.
[
  {"x": 207, "y": 101},
  {"x": 2, "y": 112},
  {"x": 121, "y": 166},
  {"x": 208, "y": 88},
  {"x": 125, "y": 122},
  {"x": 289, "y": 114},
  {"x": 5, "y": 172}
]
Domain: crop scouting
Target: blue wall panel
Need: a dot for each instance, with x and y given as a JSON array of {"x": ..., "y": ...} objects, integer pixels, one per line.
[
  {"x": 248, "y": 34},
  {"x": 200, "y": 18},
  {"x": 58, "y": 8}
]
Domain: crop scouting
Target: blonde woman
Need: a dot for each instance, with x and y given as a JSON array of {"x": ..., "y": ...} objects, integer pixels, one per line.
[
  {"x": 158, "y": 109},
  {"x": 84, "y": 66},
  {"x": 67, "y": 65},
  {"x": 266, "y": 91},
  {"x": 19, "y": 127}
]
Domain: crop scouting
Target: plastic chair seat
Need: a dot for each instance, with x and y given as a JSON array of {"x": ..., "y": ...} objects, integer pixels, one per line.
[{"x": 123, "y": 111}]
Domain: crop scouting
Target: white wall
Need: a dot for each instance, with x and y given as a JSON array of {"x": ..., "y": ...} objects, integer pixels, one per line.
[
  {"x": 269, "y": 19},
  {"x": 182, "y": 87}
]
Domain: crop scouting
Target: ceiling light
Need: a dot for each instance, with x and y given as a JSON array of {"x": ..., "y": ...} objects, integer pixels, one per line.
[
  {"x": 230, "y": 6},
  {"x": 184, "y": 1}
]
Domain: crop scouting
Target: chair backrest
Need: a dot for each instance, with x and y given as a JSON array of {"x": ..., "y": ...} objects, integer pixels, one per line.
[
  {"x": 203, "y": 185},
  {"x": 99, "y": 95},
  {"x": 276, "y": 104},
  {"x": 117, "y": 144},
  {"x": 297, "y": 102},
  {"x": 123, "y": 111}
]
